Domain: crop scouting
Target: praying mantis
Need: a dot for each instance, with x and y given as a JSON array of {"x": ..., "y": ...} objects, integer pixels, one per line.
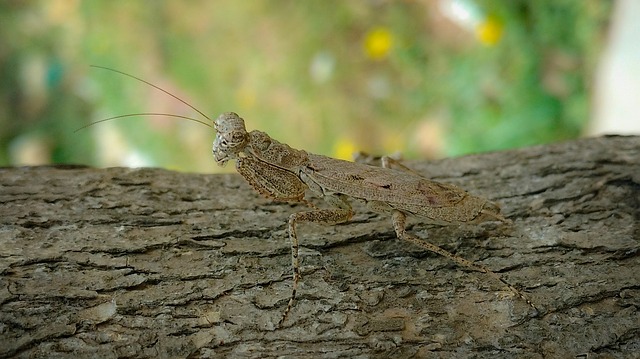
[{"x": 282, "y": 173}]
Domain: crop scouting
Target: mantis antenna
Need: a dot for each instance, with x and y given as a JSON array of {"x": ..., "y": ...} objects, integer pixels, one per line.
[{"x": 149, "y": 113}]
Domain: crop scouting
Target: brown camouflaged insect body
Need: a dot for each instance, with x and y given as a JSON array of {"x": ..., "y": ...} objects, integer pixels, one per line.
[{"x": 280, "y": 172}]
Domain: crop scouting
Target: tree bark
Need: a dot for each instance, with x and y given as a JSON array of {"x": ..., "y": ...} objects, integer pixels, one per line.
[{"x": 151, "y": 263}]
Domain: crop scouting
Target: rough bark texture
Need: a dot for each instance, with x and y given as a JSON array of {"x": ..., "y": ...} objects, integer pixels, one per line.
[{"x": 151, "y": 263}]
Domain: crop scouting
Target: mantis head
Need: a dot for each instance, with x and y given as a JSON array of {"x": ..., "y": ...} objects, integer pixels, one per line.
[{"x": 231, "y": 137}]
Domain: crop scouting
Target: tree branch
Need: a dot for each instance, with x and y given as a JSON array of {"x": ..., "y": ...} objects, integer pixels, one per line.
[{"x": 153, "y": 263}]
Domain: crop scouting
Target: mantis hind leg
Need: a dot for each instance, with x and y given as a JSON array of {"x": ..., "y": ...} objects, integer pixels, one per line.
[
  {"x": 393, "y": 161},
  {"x": 399, "y": 225}
]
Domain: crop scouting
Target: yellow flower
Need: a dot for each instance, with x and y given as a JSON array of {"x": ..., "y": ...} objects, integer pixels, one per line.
[
  {"x": 344, "y": 149},
  {"x": 378, "y": 43},
  {"x": 489, "y": 32}
]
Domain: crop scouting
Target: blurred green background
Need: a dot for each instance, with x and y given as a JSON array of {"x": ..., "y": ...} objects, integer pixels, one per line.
[{"x": 428, "y": 78}]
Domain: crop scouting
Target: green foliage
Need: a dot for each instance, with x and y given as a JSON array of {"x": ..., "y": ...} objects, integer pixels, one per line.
[{"x": 373, "y": 76}]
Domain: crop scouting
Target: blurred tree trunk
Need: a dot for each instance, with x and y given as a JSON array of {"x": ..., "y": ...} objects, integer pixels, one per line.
[{"x": 151, "y": 263}]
